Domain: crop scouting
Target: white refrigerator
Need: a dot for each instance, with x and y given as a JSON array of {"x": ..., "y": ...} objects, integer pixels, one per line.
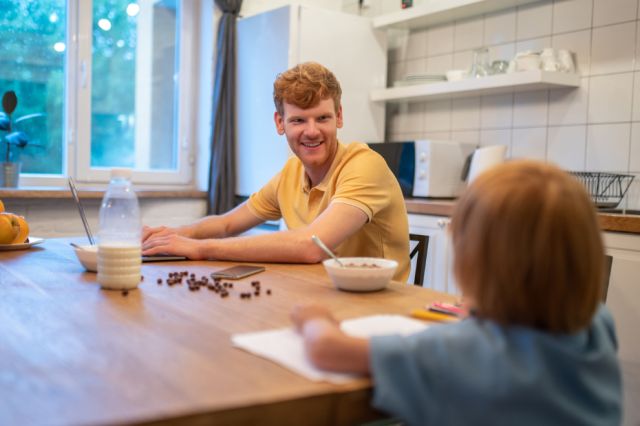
[{"x": 274, "y": 41}]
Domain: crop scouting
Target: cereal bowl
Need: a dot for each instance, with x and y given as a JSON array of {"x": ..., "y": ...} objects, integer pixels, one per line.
[
  {"x": 361, "y": 273},
  {"x": 88, "y": 256}
]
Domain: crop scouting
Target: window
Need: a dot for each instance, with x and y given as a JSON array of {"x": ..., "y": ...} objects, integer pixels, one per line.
[
  {"x": 32, "y": 64},
  {"x": 101, "y": 84}
]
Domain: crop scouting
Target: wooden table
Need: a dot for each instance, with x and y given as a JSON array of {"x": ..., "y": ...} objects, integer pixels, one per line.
[{"x": 71, "y": 353}]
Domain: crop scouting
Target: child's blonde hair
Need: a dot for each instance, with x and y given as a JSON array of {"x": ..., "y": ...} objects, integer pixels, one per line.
[
  {"x": 527, "y": 248},
  {"x": 304, "y": 86}
]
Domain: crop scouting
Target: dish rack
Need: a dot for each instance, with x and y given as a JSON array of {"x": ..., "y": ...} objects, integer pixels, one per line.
[{"x": 606, "y": 189}]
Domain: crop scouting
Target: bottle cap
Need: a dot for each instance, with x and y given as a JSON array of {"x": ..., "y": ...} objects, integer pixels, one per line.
[{"x": 122, "y": 173}]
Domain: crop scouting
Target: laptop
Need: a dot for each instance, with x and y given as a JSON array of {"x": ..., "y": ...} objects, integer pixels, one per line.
[{"x": 85, "y": 223}]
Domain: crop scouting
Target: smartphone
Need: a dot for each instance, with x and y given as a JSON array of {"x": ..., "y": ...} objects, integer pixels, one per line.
[{"x": 237, "y": 272}]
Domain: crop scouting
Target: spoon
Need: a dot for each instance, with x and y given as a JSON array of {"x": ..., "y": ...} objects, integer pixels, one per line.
[
  {"x": 76, "y": 246},
  {"x": 326, "y": 249}
]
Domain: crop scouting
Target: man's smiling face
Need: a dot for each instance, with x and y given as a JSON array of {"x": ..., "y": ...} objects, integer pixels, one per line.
[{"x": 312, "y": 134}]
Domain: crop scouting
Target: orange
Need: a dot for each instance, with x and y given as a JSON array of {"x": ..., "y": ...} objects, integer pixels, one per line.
[
  {"x": 1, "y": 206},
  {"x": 9, "y": 228},
  {"x": 23, "y": 233}
]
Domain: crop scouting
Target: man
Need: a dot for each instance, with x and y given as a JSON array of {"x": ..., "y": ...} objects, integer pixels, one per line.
[{"x": 344, "y": 194}]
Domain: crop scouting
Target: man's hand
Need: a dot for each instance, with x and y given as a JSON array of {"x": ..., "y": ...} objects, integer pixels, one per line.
[
  {"x": 159, "y": 231},
  {"x": 174, "y": 244}
]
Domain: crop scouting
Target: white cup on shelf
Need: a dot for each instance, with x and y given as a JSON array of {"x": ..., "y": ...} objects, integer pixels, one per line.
[
  {"x": 565, "y": 60},
  {"x": 527, "y": 61}
]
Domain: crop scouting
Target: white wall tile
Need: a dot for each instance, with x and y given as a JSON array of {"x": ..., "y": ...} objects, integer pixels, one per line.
[
  {"x": 608, "y": 147},
  {"x": 569, "y": 106},
  {"x": 468, "y": 34},
  {"x": 637, "y": 56},
  {"x": 440, "y": 40},
  {"x": 406, "y": 118},
  {"x": 611, "y": 50},
  {"x": 635, "y": 116},
  {"x": 500, "y": 27},
  {"x": 610, "y": 98},
  {"x": 530, "y": 109},
  {"x": 396, "y": 71},
  {"x": 634, "y": 158},
  {"x": 572, "y": 15},
  {"x": 439, "y": 64},
  {"x": 416, "y": 44},
  {"x": 496, "y": 137},
  {"x": 505, "y": 52},
  {"x": 567, "y": 147},
  {"x": 533, "y": 44},
  {"x": 462, "y": 60},
  {"x": 465, "y": 114},
  {"x": 466, "y": 136},
  {"x": 496, "y": 111},
  {"x": 437, "y": 116},
  {"x": 632, "y": 197},
  {"x": 579, "y": 43},
  {"x": 443, "y": 136},
  {"x": 415, "y": 66},
  {"x": 607, "y": 12},
  {"x": 534, "y": 20},
  {"x": 529, "y": 143},
  {"x": 402, "y": 137}
]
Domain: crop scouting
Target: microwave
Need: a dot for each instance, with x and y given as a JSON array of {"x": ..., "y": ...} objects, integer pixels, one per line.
[{"x": 427, "y": 167}]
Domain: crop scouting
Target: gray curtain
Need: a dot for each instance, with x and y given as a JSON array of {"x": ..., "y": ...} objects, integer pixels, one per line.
[{"x": 222, "y": 177}]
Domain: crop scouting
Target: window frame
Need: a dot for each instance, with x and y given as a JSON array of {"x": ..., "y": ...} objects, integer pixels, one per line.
[{"x": 77, "y": 105}]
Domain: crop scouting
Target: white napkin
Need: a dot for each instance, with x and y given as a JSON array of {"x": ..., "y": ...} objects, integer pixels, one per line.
[{"x": 284, "y": 346}]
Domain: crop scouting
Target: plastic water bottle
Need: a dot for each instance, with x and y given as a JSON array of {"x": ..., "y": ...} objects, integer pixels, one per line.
[{"x": 119, "y": 246}]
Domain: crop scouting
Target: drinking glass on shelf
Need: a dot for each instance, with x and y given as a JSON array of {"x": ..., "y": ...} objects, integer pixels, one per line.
[{"x": 480, "y": 66}]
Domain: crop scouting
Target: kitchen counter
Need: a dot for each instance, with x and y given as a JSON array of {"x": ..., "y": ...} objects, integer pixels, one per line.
[{"x": 609, "y": 222}]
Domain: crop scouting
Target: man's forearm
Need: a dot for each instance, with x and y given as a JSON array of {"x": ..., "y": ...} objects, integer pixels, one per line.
[{"x": 283, "y": 246}]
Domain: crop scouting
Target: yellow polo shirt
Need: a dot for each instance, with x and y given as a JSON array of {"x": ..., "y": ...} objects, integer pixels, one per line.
[{"x": 359, "y": 177}]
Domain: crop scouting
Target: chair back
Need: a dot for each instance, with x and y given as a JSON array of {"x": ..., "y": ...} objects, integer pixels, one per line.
[
  {"x": 608, "y": 260},
  {"x": 420, "y": 252}
]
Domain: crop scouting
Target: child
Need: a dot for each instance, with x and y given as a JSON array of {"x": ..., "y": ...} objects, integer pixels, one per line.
[{"x": 538, "y": 349}]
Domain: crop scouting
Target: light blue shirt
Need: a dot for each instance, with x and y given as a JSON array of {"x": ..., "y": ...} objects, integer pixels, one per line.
[{"x": 479, "y": 373}]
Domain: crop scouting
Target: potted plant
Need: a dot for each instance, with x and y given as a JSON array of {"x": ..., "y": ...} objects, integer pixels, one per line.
[{"x": 13, "y": 140}]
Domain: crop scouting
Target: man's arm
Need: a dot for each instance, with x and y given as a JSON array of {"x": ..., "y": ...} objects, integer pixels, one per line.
[
  {"x": 338, "y": 222},
  {"x": 233, "y": 222}
]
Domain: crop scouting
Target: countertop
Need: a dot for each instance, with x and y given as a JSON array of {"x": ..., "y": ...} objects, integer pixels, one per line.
[{"x": 608, "y": 221}]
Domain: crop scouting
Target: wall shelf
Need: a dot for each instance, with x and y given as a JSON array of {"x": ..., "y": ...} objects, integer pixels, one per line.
[
  {"x": 440, "y": 11},
  {"x": 495, "y": 84}
]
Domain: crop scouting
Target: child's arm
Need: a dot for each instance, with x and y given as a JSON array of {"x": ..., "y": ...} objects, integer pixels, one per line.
[{"x": 326, "y": 345}]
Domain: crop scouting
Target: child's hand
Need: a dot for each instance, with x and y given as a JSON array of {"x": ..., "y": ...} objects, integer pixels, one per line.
[{"x": 303, "y": 313}]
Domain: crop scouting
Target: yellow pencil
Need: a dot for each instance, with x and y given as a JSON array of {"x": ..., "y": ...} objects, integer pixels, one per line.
[{"x": 432, "y": 316}]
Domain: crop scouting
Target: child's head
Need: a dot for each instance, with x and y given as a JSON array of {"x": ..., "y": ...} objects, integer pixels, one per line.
[
  {"x": 304, "y": 86},
  {"x": 527, "y": 248}
]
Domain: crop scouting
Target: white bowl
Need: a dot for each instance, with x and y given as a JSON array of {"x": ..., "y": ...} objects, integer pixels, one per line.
[
  {"x": 88, "y": 256},
  {"x": 361, "y": 273},
  {"x": 456, "y": 75}
]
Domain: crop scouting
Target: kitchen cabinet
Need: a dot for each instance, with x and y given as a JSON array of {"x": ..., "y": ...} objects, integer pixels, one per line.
[
  {"x": 276, "y": 40},
  {"x": 441, "y": 11},
  {"x": 438, "y": 274}
]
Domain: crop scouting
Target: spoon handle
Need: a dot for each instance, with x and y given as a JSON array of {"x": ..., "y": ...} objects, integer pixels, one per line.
[{"x": 326, "y": 249}]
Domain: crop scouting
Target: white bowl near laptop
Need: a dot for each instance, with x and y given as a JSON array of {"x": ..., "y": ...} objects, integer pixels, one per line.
[
  {"x": 88, "y": 256},
  {"x": 360, "y": 273}
]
